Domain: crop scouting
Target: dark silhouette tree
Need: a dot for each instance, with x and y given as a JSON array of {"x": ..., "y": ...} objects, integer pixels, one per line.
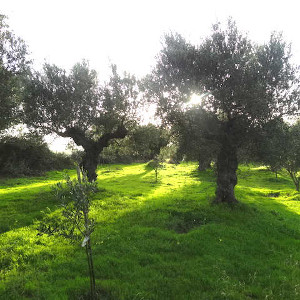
[
  {"x": 13, "y": 64},
  {"x": 244, "y": 85},
  {"x": 75, "y": 105}
]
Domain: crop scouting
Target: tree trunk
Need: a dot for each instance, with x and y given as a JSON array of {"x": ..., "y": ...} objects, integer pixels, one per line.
[
  {"x": 203, "y": 164},
  {"x": 226, "y": 172},
  {"x": 92, "y": 148},
  {"x": 90, "y": 162},
  {"x": 91, "y": 270},
  {"x": 296, "y": 180}
]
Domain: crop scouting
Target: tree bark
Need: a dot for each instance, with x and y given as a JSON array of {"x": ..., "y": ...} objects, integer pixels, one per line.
[
  {"x": 296, "y": 181},
  {"x": 90, "y": 162},
  {"x": 227, "y": 165},
  {"x": 92, "y": 148},
  {"x": 203, "y": 164}
]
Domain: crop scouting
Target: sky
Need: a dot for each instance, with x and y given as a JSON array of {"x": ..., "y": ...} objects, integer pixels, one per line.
[{"x": 129, "y": 32}]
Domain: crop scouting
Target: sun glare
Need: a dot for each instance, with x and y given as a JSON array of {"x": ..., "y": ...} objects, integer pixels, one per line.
[{"x": 195, "y": 99}]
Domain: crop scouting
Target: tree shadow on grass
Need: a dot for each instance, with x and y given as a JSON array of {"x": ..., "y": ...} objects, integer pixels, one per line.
[
  {"x": 23, "y": 199},
  {"x": 179, "y": 246},
  {"x": 196, "y": 248}
]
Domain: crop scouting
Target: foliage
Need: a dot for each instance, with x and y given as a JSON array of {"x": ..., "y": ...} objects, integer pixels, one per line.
[
  {"x": 13, "y": 63},
  {"x": 75, "y": 105},
  {"x": 155, "y": 164},
  {"x": 190, "y": 129},
  {"x": 118, "y": 151},
  {"x": 279, "y": 147},
  {"x": 75, "y": 198},
  {"x": 273, "y": 144},
  {"x": 142, "y": 144},
  {"x": 148, "y": 230},
  {"x": 29, "y": 155},
  {"x": 292, "y": 155},
  {"x": 148, "y": 140},
  {"x": 243, "y": 85}
]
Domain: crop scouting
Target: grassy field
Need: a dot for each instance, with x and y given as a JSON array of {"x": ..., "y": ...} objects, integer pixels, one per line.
[{"x": 161, "y": 240}]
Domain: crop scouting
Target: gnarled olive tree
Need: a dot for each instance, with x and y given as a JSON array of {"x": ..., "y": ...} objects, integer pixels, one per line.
[
  {"x": 243, "y": 84},
  {"x": 75, "y": 105}
]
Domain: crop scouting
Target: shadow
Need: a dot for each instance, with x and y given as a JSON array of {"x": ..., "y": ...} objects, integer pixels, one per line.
[
  {"x": 176, "y": 245},
  {"x": 22, "y": 199}
]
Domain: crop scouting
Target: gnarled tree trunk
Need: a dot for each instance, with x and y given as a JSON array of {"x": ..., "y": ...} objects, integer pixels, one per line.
[
  {"x": 226, "y": 174},
  {"x": 92, "y": 148},
  {"x": 227, "y": 165},
  {"x": 89, "y": 161}
]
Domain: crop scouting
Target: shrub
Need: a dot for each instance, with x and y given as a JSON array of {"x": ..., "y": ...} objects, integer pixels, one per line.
[{"x": 29, "y": 155}]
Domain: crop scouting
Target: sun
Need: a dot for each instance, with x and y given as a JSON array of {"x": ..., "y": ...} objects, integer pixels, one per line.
[{"x": 195, "y": 100}]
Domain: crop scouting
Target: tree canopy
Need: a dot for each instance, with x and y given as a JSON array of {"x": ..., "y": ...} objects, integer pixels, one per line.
[
  {"x": 13, "y": 63},
  {"x": 75, "y": 105}
]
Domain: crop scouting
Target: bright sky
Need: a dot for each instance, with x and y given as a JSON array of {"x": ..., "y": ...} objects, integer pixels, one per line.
[{"x": 129, "y": 32}]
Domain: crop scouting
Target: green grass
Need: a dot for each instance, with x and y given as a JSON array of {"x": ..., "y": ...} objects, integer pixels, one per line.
[{"x": 160, "y": 240}]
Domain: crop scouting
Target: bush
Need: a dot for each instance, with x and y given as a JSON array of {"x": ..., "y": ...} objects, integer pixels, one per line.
[{"x": 29, "y": 155}]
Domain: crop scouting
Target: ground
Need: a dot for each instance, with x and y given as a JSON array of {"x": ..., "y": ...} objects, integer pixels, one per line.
[{"x": 161, "y": 240}]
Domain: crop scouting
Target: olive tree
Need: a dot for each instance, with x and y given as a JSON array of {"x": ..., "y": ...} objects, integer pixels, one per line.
[
  {"x": 75, "y": 105},
  {"x": 13, "y": 63},
  {"x": 244, "y": 85},
  {"x": 273, "y": 145},
  {"x": 292, "y": 161}
]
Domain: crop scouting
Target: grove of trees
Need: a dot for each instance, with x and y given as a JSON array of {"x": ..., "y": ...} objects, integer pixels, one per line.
[{"x": 246, "y": 90}]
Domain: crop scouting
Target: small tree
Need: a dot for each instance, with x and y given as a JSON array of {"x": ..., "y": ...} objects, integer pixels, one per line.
[
  {"x": 75, "y": 198},
  {"x": 155, "y": 164}
]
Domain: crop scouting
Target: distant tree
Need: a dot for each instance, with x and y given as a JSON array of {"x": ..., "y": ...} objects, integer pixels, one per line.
[
  {"x": 13, "y": 63},
  {"x": 143, "y": 143},
  {"x": 244, "y": 85},
  {"x": 148, "y": 140},
  {"x": 190, "y": 130},
  {"x": 75, "y": 105},
  {"x": 273, "y": 143},
  {"x": 292, "y": 162}
]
